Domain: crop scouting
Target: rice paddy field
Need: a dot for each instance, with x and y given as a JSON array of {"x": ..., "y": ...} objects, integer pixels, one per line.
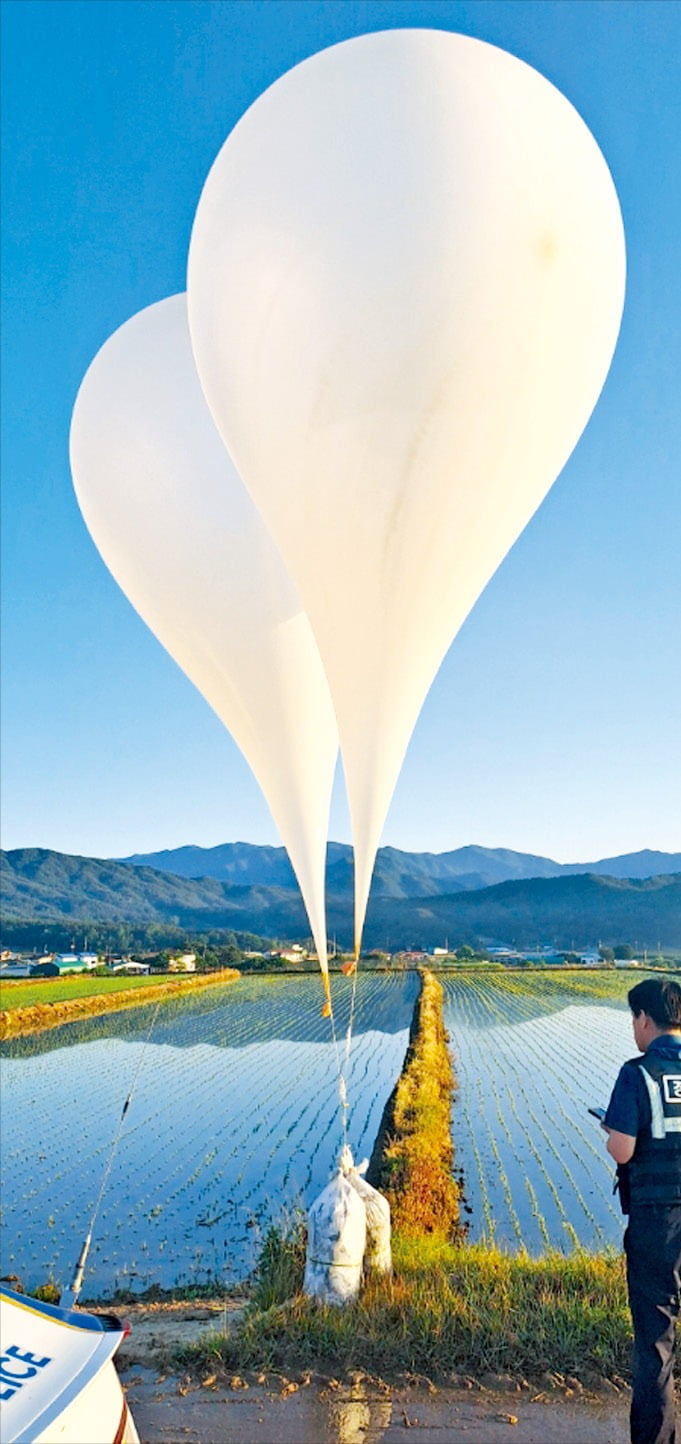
[
  {"x": 26, "y": 993},
  {"x": 235, "y": 1119},
  {"x": 532, "y": 1052}
]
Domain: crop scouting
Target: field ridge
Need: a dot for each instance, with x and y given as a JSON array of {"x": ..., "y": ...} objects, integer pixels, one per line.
[{"x": 413, "y": 1157}]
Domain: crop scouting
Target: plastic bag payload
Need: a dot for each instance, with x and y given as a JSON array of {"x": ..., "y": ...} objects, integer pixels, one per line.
[
  {"x": 336, "y": 1239},
  {"x": 378, "y": 1252}
]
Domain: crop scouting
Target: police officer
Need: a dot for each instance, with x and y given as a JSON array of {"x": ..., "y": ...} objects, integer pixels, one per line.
[{"x": 643, "y": 1122}]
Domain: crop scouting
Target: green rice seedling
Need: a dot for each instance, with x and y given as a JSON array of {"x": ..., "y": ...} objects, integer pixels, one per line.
[{"x": 536, "y": 1213}]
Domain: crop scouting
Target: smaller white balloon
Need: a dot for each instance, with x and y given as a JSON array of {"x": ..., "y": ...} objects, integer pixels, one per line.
[{"x": 172, "y": 520}]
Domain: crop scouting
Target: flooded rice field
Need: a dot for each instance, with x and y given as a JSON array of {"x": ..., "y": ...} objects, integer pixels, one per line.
[
  {"x": 532, "y": 1054},
  {"x": 235, "y": 1120}
]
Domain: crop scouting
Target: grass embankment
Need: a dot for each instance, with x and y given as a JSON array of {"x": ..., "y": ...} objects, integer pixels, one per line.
[
  {"x": 451, "y": 1309},
  {"x": 32, "y": 1007},
  {"x": 413, "y": 1157}
]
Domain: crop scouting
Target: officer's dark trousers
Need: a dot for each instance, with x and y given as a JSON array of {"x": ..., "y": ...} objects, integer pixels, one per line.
[{"x": 652, "y": 1244}]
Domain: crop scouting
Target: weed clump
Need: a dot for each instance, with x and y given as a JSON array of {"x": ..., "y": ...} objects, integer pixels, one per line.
[
  {"x": 279, "y": 1272},
  {"x": 48, "y": 1293}
]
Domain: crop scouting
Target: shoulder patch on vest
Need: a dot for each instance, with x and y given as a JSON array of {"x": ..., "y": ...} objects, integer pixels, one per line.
[{"x": 671, "y": 1084}]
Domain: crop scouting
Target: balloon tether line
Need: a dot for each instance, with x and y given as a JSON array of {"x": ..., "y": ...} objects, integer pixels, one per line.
[
  {"x": 340, "y": 1066},
  {"x": 343, "y": 1067},
  {"x": 348, "y": 1036},
  {"x": 69, "y": 1298}
]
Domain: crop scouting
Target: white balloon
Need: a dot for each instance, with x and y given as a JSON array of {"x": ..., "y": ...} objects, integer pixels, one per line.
[
  {"x": 406, "y": 279},
  {"x": 176, "y": 527}
]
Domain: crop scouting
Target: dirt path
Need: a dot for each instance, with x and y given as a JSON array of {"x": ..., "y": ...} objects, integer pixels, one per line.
[
  {"x": 172, "y": 1410},
  {"x": 313, "y": 1409}
]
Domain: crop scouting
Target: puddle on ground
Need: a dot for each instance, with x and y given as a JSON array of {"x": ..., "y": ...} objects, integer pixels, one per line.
[
  {"x": 359, "y": 1419},
  {"x": 174, "y": 1411}
]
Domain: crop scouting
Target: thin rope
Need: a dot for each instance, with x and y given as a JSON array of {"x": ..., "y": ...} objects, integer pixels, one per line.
[
  {"x": 344, "y": 1067},
  {"x": 353, "y": 996},
  {"x": 72, "y": 1293},
  {"x": 342, "y": 1085},
  {"x": 348, "y": 1043}
]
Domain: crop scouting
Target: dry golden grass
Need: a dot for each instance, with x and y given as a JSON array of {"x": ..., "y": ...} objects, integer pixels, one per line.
[{"x": 416, "y": 1155}]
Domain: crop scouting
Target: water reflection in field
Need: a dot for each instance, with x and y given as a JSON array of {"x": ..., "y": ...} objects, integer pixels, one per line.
[{"x": 234, "y": 1120}]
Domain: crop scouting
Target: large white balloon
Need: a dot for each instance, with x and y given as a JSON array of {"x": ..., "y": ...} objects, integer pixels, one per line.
[
  {"x": 406, "y": 279},
  {"x": 178, "y": 530}
]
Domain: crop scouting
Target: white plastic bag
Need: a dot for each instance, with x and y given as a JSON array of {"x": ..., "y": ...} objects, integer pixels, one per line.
[
  {"x": 336, "y": 1239},
  {"x": 377, "y": 1254}
]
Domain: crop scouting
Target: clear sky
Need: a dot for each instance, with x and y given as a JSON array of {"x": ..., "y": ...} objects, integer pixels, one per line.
[{"x": 554, "y": 724}]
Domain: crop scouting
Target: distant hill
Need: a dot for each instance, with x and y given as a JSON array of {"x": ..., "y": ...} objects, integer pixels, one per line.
[
  {"x": 397, "y": 874},
  {"x": 631, "y": 864},
  {"x": 38, "y": 883},
  {"x": 234, "y": 862},
  {"x": 566, "y": 912},
  {"x": 582, "y": 909}
]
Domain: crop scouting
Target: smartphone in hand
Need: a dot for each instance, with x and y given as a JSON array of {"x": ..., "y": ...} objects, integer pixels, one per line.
[{"x": 598, "y": 1113}]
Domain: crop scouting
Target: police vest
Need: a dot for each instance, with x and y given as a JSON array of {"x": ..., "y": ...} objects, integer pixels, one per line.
[{"x": 655, "y": 1168}]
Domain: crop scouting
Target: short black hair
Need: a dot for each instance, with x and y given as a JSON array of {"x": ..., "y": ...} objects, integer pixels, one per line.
[{"x": 660, "y": 998}]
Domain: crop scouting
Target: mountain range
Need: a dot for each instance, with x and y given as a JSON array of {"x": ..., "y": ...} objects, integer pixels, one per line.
[
  {"x": 396, "y": 874},
  {"x": 418, "y": 899}
]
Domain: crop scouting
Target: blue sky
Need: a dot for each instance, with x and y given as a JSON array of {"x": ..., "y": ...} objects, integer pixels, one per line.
[{"x": 553, "y": 726}]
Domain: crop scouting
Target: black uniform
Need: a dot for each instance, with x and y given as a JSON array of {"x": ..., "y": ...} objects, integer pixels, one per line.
[{"x": 646, "y": 1105}]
